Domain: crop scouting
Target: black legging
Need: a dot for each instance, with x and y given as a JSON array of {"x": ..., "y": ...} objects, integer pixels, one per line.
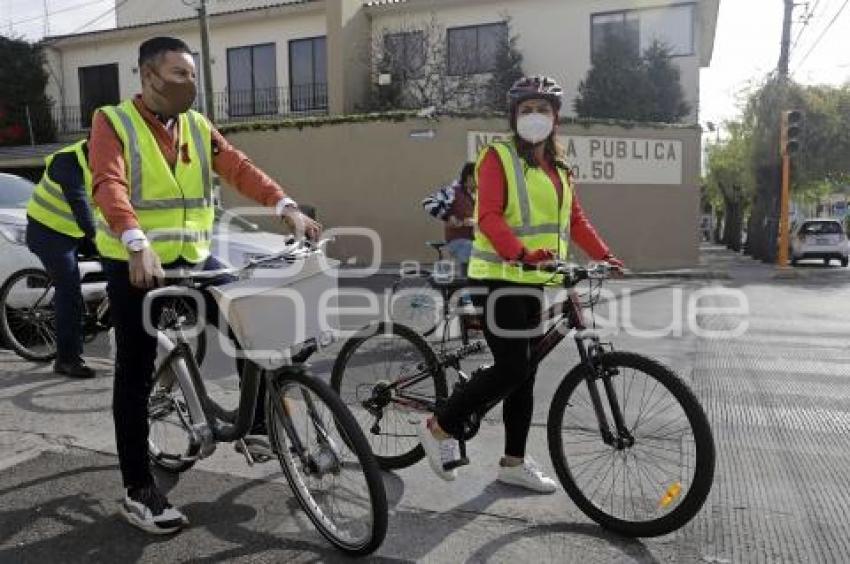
[{"x": 511, "y": 378}]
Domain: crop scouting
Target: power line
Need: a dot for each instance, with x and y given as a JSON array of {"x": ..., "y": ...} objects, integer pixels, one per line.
[
  {"x": 823, "y": 33},
  {"x": 807, "y": 18},
  {"x": 98, "y": 18},
  {"x": 53, "y": 13}
]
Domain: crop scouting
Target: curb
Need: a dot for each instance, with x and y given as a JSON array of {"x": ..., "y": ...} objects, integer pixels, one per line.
[
  {"x": 681, "y": 275},
  {"x": 686, "y": 274}
]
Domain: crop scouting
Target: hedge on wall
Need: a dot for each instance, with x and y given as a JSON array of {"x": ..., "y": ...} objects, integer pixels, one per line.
[{"x": 402, "y": 116}]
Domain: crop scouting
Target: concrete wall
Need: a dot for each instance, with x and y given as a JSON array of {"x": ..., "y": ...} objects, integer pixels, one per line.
[
  {"x": 557, "y": 43},
  {"x": 375, "y": 174}
]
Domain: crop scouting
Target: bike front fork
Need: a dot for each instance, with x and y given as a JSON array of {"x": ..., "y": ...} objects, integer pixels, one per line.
[{"x": 592, "y": 359}]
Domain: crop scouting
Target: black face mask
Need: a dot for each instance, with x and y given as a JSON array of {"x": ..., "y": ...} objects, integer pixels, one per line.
[{"x": 174, "y": 97}]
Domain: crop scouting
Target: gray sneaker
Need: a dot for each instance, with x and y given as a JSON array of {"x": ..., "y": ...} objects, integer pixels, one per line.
[{"x": 148, "y": 509}]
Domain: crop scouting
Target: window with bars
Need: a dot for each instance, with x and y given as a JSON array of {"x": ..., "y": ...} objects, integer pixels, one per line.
[
  {"x": 252, "y": 80},
  {"x": 308, "y": 74}
]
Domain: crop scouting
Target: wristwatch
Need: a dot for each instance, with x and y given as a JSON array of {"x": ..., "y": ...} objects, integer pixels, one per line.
[
  {"x": 137, "y": 245},
  {"x": 286, "y": 204}
]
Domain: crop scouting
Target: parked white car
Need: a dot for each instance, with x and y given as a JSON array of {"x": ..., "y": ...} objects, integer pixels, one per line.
[
  {"x": 820, "y": 239},
  {"x": 235, "y": 239}
]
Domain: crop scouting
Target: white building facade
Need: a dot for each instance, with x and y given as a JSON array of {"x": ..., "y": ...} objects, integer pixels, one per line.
[{"x": 314, "y": 56}]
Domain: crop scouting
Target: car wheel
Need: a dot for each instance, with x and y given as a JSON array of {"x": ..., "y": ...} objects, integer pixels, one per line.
[
  {"x": 826, "y": 262},
  {"x": 845, "y": 261},
  {"x": 794, "y": 261}
]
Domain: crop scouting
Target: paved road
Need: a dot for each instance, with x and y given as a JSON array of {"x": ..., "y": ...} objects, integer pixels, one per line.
[{"x": 777, "y": 399}]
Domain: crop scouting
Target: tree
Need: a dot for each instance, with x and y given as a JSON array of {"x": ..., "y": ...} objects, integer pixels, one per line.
[
  {"x": 414, "y": 56},
  {"x": 730, "y": 181},
  {"x": 622, "y": 84},
  {"x": 508, "y": 70},
  {"x": 819, "y": 169},
  {"x": 22, "y": 83},
  {"x": 665, "y": 87}
]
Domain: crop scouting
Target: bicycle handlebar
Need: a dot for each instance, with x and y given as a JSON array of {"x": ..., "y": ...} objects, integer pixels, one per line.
[
  {"x": 183, "y": 279},
  {"x": 575, "y": 273}
]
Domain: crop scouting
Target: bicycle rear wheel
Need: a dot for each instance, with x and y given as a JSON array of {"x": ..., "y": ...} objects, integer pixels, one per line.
[
  {"x": 170, "y": 443},
  {"x": 28, "y": 315},
  {"x": 654, "y": 485},
  {"x": 327, "y": 461},
  {"x": 386, "y": 374},
  {"x": 414, "y": 302}
]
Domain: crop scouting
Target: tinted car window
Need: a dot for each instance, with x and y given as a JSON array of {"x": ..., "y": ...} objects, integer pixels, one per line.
[
  {"x": 821, "y": 228},
  {"x": 15, "y": 191}
]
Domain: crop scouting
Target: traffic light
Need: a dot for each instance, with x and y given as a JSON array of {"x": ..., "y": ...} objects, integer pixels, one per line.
[{"x": 792, "y": 131}]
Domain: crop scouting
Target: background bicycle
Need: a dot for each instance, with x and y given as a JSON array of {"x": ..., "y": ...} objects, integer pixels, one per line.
[
  {"x": 629, "y": 441},
  {"x": 431, "y": 301},
  {"x": 28, "y": 312}
]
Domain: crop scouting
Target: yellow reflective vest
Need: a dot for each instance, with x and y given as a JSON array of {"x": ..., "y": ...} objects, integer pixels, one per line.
[
  {"x": 48, "y": 205},
  {"x": 534, "y": 215},
  {"x": 174, "y": 207}
]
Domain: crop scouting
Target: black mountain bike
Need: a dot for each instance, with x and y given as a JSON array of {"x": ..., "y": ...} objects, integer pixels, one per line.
[{"x": 628, "y": 439}]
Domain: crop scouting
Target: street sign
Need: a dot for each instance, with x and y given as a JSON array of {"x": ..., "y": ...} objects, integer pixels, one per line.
[{"x": 607, "y": 160}]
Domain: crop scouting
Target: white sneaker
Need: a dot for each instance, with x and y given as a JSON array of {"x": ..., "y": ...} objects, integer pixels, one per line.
[
  {"x": 149, "y": 510},
  {"x": 527, "y": 475},
  {"x": 439, "y": 452}
]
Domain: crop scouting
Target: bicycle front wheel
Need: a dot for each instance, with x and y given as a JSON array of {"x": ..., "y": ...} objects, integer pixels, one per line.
[
  {"x": 170, "y": 444},
  {"x": 650, "y": 481},
  {"x": 414, "y": 302},
  {"x": 327, "y": 462},
  {"x": 28, "y": 315},
  {"x": 175, "y": 308}
]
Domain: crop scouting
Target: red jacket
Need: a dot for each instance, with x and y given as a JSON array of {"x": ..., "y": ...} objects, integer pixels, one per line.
[{"x": 492, "y": 192}]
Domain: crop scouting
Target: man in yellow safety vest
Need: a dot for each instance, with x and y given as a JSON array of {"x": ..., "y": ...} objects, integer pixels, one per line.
[
  {"x": 60, "y": 227},
  {"x": 152, "y": 161}
]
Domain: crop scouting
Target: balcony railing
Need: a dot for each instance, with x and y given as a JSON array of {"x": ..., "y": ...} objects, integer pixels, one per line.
[{"x": 230, "y": 106}]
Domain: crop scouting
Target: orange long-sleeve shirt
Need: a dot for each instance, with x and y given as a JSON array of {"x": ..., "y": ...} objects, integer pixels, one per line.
[{"x": 110, "y": 187}]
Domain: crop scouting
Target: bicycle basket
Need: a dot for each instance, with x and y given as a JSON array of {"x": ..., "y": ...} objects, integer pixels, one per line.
[{"x": 278, "y": 308}]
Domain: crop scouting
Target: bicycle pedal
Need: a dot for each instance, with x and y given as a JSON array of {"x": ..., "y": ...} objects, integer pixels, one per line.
[
  {"x": 243, "y": 448},
  {"x": 462, "y": 461}
]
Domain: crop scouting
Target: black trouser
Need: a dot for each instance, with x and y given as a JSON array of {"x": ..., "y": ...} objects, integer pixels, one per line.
[
  {"x": 511, "y": 378},
  {"x": 134, "y": 365},
  {"x": 58, "y": 254}
]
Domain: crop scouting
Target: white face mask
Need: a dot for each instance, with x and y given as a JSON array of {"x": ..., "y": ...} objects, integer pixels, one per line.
[{"x": 535, "y": 127}]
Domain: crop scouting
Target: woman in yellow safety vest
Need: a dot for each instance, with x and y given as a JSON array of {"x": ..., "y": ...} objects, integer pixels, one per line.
[{"x": 526, "y": 214}]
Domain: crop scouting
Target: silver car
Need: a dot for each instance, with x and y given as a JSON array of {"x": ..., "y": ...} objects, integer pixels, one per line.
[
  {"x": 819, "y": 239},
  {"x": 235, "y": 239}
]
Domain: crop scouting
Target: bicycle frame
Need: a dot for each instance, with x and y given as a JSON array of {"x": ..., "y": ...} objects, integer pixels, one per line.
[
  {"x": 212, "y": 422},
  {"x": 568, "y": 319}
]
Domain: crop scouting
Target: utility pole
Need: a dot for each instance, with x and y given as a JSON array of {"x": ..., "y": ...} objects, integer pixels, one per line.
[
  {"x": 209, "y": 103},
  {"x": 46, "y": 20},
  {"x": 785, "y": 51}
]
